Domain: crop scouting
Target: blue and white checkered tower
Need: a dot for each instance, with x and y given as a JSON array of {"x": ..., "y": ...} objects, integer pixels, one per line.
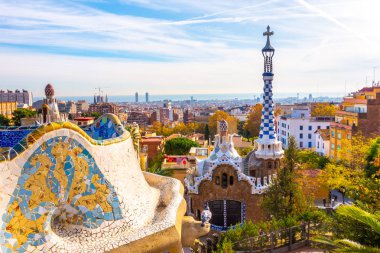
[{"x": 268, "y": 147}]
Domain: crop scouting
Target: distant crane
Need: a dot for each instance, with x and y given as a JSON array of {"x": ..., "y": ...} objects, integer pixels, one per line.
[{"x": 100, "y": 91}]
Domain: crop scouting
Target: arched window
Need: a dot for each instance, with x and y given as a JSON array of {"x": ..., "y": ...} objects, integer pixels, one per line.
[
  {"x": 217, "y": 180},
  {"x": 231, "y": 180},
  {"x": 269, "y": 165},
  {"x": 224, "y": 180}
]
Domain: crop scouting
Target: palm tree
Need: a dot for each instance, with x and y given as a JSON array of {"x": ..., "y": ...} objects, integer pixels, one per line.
[
  {"x": 159, "y": 171},
  {"x": 135, "y": 135},
  {"x": 358, "y": 214}
]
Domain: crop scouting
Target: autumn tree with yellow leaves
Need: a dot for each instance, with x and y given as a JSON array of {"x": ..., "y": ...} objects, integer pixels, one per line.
[{"x": 218, "y": 116}]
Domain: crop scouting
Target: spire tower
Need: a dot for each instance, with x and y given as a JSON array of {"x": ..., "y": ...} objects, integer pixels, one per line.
[{"x": 268, "y": 147}]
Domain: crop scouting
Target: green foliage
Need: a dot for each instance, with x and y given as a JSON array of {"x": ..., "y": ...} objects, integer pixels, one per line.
[
  {"x": 243, "y": 152},
  {"x": 18, "y": 114},
  {"x": 354, "y": 230},
  {"x": 160, "y": 171},
  {"x": 225, "y": 247},
  {"x": 155, "y": 166},
  {"x": 207, "y": 132},
  {"x": 135, "y": 135},
  {"x": 354, "y": 171},
  {"x": 284, "y": 197},
  {"x": 360, "y": 215},
  {"x": 179, "y": 146},
  {"x": 311, "y": 160},
  {"x": 96, "y": 115},
  {"x": 250, "y": 229},
  {"x": 373, "y": 159},
  {"x": 4, "y": 121},
  {"x": 252, "y": 125}
]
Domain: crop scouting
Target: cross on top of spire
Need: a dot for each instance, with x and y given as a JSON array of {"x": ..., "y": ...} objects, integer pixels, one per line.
[
  {"x": 268, "y": 33},
  {"x": 268, "y": 46}
]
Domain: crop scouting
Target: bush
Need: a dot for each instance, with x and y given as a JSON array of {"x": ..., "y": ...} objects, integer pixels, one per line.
[{"x": 179, "y": 146}]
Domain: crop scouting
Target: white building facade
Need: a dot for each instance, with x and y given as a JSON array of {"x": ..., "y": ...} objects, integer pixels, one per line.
[
  {"x": 322, "y": 140},
  {"x": 302, "y": 126}
]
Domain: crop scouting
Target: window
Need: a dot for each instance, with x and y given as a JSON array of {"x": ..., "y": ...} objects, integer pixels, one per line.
[
  {"x": 333, "y": 146},
  {"x": 318, "y": 127},
  {"x": 339, "y": 136},
  {"x": 231, "y": 180},
  {"x": 217, "y": 180},
  {"x": 191, "y": 205},
  {"x": 310, "y": 128},
  {"x": 301, "y": 144},
  {"x": 301, "y": 136},
  {"x": 338, "y": 147},
  {"x": 348, "y": 136},
  {"x": 332, "y": 134},
  {"x": 309, "y": 136},
  {"x": 224, "y": 180},
  {"x": 328, "y": 127},
  {"x": 318, "y": 145},
  {"x": 301, "y": 127},
  {"x": 310, "y": 144},
  {"x": 269, "y": 165}
]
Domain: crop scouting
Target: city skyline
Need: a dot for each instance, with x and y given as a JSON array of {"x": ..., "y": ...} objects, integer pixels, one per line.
[{"x": 183, "y": 47}]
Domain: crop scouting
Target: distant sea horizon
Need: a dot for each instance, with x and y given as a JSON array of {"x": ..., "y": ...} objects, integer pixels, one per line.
[{"x": 183, "y": 97}]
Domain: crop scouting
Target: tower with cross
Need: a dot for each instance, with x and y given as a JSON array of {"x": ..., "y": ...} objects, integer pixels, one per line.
[{"x": 268, "y": 147}]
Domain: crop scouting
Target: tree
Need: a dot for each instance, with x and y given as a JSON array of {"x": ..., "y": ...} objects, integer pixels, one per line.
[
  {"x": 284, "y": 197},
  {"x": 218, "y": 116},
  {"x": 155, "y": 166},
  {"x": 179, "y": 146},
  {"x": 354, "y": 151},
  {"x": 352, "y": 171},
  {"x": 4, "y": 121},
  {"x": 252, "y": 125},
  {"x": 322, "y": 109},
  {"x": 373, "y": 159},
  {"x": 135, "y": 135},
  {"x": 18, "y": 114},
  {"x": 311, "y": 160},
  {"x": 207, "y": 132},
  {"x": 371, "y": 223},
  {"x": 96, "y": 115}
]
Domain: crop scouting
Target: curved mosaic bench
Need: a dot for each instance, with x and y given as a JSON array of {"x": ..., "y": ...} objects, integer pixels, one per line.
[{"x": 68, "y": 189}]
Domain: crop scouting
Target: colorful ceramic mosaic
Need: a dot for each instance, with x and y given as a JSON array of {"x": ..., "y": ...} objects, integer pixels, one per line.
[
  {"x": 63, "y": 191},
  {"x": 10, "y": 136},
  {"x": 103, "y": 129},
  {"x": 106, "y": 130},
  {"x": 59, "y": 174}
]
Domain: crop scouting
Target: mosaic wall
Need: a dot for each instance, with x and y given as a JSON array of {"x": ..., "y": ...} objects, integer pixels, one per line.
[
  {"x": 60, "y": 175},
  {"x": 10, "y": 136},
  {"x": 103, "y": 129}
]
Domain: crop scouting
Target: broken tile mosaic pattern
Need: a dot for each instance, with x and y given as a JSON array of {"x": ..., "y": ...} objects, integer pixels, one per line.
[{"x": 60, "y": 174}]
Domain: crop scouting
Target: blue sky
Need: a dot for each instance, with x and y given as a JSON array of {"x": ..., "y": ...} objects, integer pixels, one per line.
[{"x": 187, "y": 46}]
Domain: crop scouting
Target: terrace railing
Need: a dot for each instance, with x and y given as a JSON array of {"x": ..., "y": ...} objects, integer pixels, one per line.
[{"x": 283, "y": 240}]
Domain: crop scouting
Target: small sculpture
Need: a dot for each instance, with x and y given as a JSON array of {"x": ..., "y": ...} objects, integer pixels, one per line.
[{"x": 206, "y": 215}]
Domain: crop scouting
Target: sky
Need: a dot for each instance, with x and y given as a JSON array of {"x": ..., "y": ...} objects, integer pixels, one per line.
[{"x": 187, "y": 46}]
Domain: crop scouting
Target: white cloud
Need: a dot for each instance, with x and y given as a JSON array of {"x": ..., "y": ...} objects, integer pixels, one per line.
[{"x": 215, "y": 51}]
